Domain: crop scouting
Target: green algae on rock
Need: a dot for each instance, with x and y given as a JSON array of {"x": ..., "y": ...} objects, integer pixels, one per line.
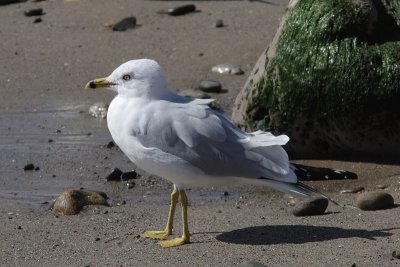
[
  {"x": 330, "y": 80},
  {"x": 71, "y": 201}
]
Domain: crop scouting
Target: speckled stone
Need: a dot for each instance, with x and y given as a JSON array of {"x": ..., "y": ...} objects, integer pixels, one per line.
[
  {"x": 375, "y": 200},
  {"x": 71, "y": 201}
]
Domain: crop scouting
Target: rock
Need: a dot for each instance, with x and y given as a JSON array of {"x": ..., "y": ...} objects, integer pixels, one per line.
[
  {"x": 227, "y": 69},
  {"x": 335, "y": 83},
  {"x": 396, "y": 254},
  {"x": 129, "y": 175},
  {"x": 115, "y": 175},
  {"x": 34, "y": 12},
  {"x": 219, "y": 23},
  {"x": 110, "y": 144},
  {"x": 7, "y": 2},
  {"x": 124, "y": 24},
  {"x": 195, "y": 94},
  {"x": 99, "y": 110},
  {"x": 210, "y": 86},
  {"x": 38, "y": 20},
  {"x": 352, "y": 191},
  {"x": 29, "y": 167},
  {"x": 252, "y": 264},
  {"x": 71, "y": 201},
  {"x": 375, "y": 200},
  {"x": 180, "y": 10},
  {"x": 314, "y": 206},
  {"x": 382, "y": 186},
  {"x": 130, "y": 184}
]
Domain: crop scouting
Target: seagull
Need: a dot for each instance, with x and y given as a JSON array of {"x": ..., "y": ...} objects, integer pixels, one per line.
[{"x": 186, "y": 142}]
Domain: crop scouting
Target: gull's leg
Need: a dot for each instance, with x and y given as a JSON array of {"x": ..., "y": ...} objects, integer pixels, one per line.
[
  {"x": 185, "y": 231},
  {"x": 168, "y": 228}
]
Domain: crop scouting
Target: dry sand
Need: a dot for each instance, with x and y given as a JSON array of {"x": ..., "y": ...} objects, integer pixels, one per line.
[{"x": 42, "y": 72}]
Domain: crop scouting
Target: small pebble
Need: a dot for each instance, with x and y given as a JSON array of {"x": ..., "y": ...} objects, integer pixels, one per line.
[
  {"x": 124, "y": 24},
  {"x": 396, "y": 254},
  {"x": 375, "y": 200},
  {"x": 352, "y": 191},
  {"x": 29, "y": 167},
  {"x": 34, "y": 12},
  {"x": 37, "y": 168},
  {"x": 195, "y": 94},
  {"x": 110, "y": 144},
  {"x": 180, "y": 10},
  {"x": 227, "y": 69},
  {"x": 50, "y": 141},
  {"x": 382, "y": 186},
  {"x": 38, "y": 20},
  {"x": 314, "y": 206},
  {"x": 210, "y": 86},
  {"x": 99, "y": 110},
  {"x": 130, "y": 184},
  {"x": 219, "y": 23},
  {"x": 252, "y": 264},
  {"x": 19, "y": 227},
  {"x": 129, "y": 175},
  {"x": 115, "y": 175},
  {"x": 226, "y": 193}
]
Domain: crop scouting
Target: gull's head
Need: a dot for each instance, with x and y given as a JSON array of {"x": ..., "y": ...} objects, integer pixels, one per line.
[{"x": 135, "y": 78}]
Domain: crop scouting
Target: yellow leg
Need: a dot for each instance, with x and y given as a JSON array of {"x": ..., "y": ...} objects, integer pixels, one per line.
[
  {"x": 185, "y": 231},
  {"x": 170, "y": 223}
]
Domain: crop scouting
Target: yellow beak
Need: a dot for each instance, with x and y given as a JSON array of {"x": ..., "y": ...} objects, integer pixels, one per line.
[{"x": 98, "y": 83}]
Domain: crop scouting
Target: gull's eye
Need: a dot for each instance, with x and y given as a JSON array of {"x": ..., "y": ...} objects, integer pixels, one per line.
[{"x": 126, "y": 77}]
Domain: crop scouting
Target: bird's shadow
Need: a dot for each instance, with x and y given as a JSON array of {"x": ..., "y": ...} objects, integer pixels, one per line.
[{"x": 295, "y": 234}]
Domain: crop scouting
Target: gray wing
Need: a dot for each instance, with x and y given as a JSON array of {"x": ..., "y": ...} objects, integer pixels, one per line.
[{"x": 209, "y": 141}]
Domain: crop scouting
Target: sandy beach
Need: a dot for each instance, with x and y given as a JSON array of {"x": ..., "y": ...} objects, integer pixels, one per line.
[{"x": 44, "y": 120}]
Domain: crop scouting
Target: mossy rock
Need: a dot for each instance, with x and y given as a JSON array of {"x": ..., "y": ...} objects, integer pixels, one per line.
[{"x": 330, "y": 80}]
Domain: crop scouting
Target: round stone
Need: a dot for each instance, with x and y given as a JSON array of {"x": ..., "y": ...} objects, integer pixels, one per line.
[
  {"x": 374, "y": 200},
  {"x": 314, "y": 206},
  {"x": 210, "y": 86}
]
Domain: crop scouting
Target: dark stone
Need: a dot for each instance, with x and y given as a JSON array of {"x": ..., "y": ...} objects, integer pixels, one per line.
[
  {"x": 115, "y": 175},
  {"x": 210, "y": 86},
  {"x": 110, "y": 144},
  {"x": 219, "y": 23},
  {"x": 129, "y": 175},
  {"x": 34, "y": 12},
  {"x": 396, "y": 254},
  {"x": 37, "y": 168},
  {"x": 124, "y": 24},
  {"x": 181, "y": 10},
  {"x": 226, "y": 193},
  {"x": 375, "y": 200},
  {"x": 29, "y": 167},
  {"x": 38, "y": 20},
  {"x": 314, "y": 206},
  {"x": 6, "y": 2},
  {"x": 50, "y": 141}
]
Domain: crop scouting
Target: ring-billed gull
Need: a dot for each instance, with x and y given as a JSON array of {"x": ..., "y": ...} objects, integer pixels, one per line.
[{"x": 186, "y": 142}]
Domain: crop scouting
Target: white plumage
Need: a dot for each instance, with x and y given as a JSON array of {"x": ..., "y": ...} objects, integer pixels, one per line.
[{"x": 185, "y": 141}]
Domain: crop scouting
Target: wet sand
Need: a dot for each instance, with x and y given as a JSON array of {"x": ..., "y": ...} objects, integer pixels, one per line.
[{"x": 43, "y": 69}]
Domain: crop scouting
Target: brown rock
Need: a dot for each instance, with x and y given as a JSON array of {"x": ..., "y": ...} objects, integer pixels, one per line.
[
  {"x": 71, "y": 201},
  {"x": 375, "y": 200}
]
